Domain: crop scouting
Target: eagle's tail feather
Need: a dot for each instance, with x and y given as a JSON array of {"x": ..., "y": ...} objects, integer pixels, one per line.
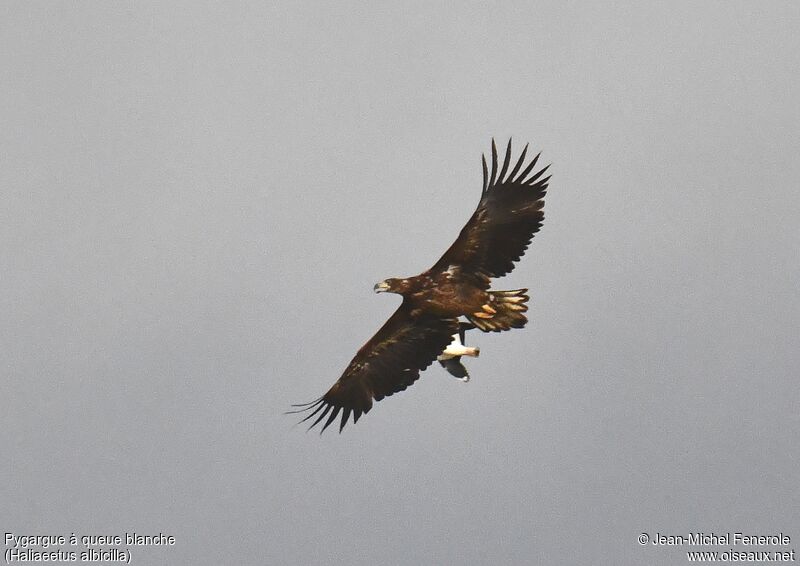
[{"x": 504, "y": 311}]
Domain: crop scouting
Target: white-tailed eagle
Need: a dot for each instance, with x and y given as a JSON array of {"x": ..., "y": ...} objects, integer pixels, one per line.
[{"x": 509, "y": 213}]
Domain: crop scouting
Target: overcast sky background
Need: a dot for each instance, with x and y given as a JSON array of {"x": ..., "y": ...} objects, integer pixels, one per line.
[{"x": 198, "y": 198}]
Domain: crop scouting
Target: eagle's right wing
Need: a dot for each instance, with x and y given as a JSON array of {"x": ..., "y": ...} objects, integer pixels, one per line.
[{"x": 388, "y": 363}]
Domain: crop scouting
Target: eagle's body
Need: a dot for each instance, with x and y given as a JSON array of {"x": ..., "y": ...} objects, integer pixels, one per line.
[
  {"x": 440, "y": 293},
  {"x": 495, "y": 237}
]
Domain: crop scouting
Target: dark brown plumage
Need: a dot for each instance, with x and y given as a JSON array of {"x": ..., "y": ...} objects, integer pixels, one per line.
[{"x": 509, "y": 213}]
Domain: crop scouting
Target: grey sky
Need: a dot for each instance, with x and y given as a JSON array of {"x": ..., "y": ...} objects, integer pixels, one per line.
[{"x": 198, "y": 198}]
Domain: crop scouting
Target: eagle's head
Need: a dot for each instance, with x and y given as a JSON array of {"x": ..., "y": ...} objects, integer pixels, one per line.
[{"x": 392, "y": 285}]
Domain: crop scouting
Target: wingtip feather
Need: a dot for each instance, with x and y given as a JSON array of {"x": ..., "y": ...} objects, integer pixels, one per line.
[
  {"x": 531, "y": 165},
  {"x": 322, "y": 416},
  {"x": 332, "y": 418},
  {"x": 506, "y": 161},
  {"x": 345, "y": 416},
  {"x": 494, "y": 164},
  {"x": 538, "y": 174},
  {"x": 520, "y": 161},
  {"x": 485, "y": 174}
]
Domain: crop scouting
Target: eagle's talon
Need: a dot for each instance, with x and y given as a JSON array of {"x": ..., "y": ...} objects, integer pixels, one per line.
[{"x": 488, "y": 308}]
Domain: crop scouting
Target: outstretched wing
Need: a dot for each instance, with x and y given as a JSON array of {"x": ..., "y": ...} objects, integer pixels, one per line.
[
  {"x": 508, "y": 215},
  {"x": 388, "y": 363}
]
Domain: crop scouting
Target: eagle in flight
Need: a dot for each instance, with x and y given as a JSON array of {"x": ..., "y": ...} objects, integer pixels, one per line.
[{"x": 420, "y": 331}]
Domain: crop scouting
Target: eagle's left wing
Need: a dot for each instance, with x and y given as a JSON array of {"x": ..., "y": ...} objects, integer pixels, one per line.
[
  {"x": 506, "y": 219},
  {"x": 389, "y": 362}
]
